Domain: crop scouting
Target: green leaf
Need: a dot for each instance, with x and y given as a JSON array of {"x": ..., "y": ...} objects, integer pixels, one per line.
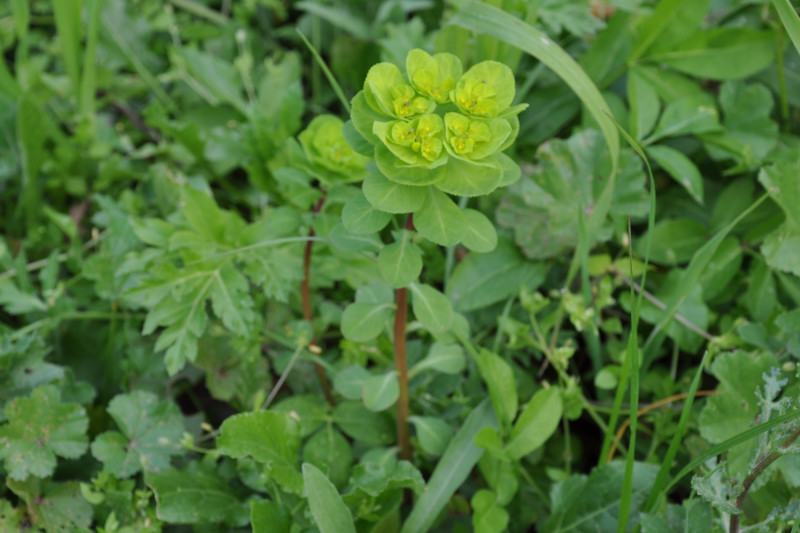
[
  {"x": 329, "y": 511},
  {"x": 445, "y": 358},
  {"x": 480, "y": 235},
  {"x": 272, "y": 438},
  {"x": 680, "y": 168},
  {"x": 150, "y": 433},
  {"x": 499, "y": 378},
  {"x": 644, "y": 104},
  {"x": 219, "y": 77},
  {"x": 488, "y": 516},
  {"x": 761, "y": 296},
  {"x": 269, "y": 517},
  {"x": 359, "y": 216},
  {"x": 483, "y": 279},
  {"x": 54, "y": 507},
  {"x": 362, "y": 322},
  {"x": 40, "y": 428},
  {"x": 440, "y": 220},
  {"x": 537, "y": 423},
  {"x": 433, "y": 433},
  {"x": 465, "y": 178},
  {"x": 781, "y": 249},
  {"x": 693, "y": 114},
  {"x": 329, "y": 451},
  {"x": 343, "y": 239},
  {"x": 790, "y": 20},
  {"x": 400, "y": 263},
  {"x": 17, "y": 302},
  {"x": 380, "y": 392},
  {"x": 379, "y": 471},
  {"x": 721, "y": 53},
  {"x": 722, "y": 268},
  {"x": 451, "y": 471},
  {"x": 369, "y": 427},
  {"x": 194, "y": 496},
  {"x": 431, "y": 307},
  {"x": 780, "y": 181},
  {"x": 674, "y": 241},
  {"x": 306, "y": 410},
  {"x": 350, "y": 381},
  {"x": 670, "y": 23},
  {"x": 586, "y": 504},
  {"x": 392, "y": 197}
]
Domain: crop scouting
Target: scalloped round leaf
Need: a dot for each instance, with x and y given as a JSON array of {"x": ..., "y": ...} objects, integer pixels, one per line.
[
  {"x": 440, "y": 220},
  {"x": 464, "y": 178},
  {"x": 393, "y": 197},
  {"x": 480, "y": 235},
  {"x": 434, "y": 434},
  {"x": 400, "y": 263},
  {"x": 358, "y": 216},
  {"x": 381, "y": 392},
  {"x": 362, "y": 322}
]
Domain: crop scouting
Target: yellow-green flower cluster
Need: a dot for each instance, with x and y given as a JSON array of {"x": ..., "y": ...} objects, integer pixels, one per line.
[
  {"x": 332, "y": 159},
  {"x": 423, "y": 120}
]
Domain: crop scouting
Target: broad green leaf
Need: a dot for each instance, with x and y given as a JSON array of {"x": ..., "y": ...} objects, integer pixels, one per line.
[
  {"x": 694, "y": 516},
  {"x": 362, "y": 322},
  {"x": 761, "y": 296},
  {"x": 670, "y": 23},
  {"x": 23, "y": 368},
  {"x": 327, "y": 507},
  {"x": 67, "y": 17},
  {"x": 39, "y": 428},
  {"x": 359, "y": 216},
  {"x": 350, "y": 381},
  {"x": 464, "y": 178},
  {"x": 194, "y": 496},
  {"x": 150, "y": 433},
  {"x": 269, "y": 517},
  {"x": 489, "y": 20},
  {"x": 271, "y": 438},
  {"x": 780, "y": 181},
  {"x": 499, "y": 378},
  {"x": 501, "y": 475},
  {"x": 433, "y": 433},
  {"x": 488, "y": 517},
  {"x": 17, "y": 302},
  {"x": 480, "y": 235},
  {"x": 431, "y": 307},
  {"x": 345, "y": 240},
  {"x": 445, "y": 358},
  {"x": 381, "y": 391},
  {"x": 329, "y": 451},
  {"x": 392, "y": 197},
  {"x": 680, "y": 168},
  {"x": 219, "y": 77},
  {"x": 483, "y": 279},
  {"x": 693, "y": 114},
  {"x": 674, "y": 241},
  {"x": 452, "y": 469},
  {"x": 369, "y": 427},
  {"x": 790, "y": 20},
  {"x": 10, "y": 518},
  {"x": 537, "y": 423},
  {"x": 400, "y": 263},
  {"x": 306, "y": 409},
  {"x": 440, "y": 220},
  {"x": 379, "y": 471},
  {"x": 722, "y": 268},
  {"x": 721, "y": 53},
  {"x": 644, "y": 104},
  {"x": 52, "y": 506},
  {"x": 781, "y": 249},
  {"x": 586, "y": 504}
]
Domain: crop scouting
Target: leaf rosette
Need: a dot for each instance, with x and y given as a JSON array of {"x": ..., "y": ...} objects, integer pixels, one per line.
[
  {"x": 433, "y": 76},
  {"x": 332, "y": 159}
]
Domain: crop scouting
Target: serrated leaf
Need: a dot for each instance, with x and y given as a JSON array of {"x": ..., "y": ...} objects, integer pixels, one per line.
[
  {"x": 400, "y": 263},
  {"x": 194, "y": 496},
  {"x": 40, "y": 428},
  {"x": 150, "y": 433},
  {"x": 54, "y": 507},
  {"x": 380, "y": 392},
  {"x": 431, "y": 307},
  {"x": 329, "y": 511},
  {"x": 440, "y": 220},
  {"x": 537, "y": 422},
  {"x": 269, "y": 437}
]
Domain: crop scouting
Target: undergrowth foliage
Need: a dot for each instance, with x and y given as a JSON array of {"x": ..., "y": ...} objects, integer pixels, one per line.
[{"x": 290, "y": 267}]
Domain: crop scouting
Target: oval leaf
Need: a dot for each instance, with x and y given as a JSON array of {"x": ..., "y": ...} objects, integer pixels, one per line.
[
  {"x": 536, "y": 424},
  {"x": 380, "y": 392},
  {"x": 327, "y": 507}
]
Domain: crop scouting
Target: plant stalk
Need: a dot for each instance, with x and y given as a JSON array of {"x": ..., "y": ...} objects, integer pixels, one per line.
[
  {"x": 305, "y": 297},
  {"x": 758, "y": 469},
  {"x": 401, "y": 365}
]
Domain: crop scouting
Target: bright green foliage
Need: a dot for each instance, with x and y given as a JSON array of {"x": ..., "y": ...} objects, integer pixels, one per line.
[
  {"x": 53, "y": 506},
  {"x": 39, "y": 428},
  {"x": 150, "y": 433},
  {"x": 327, "y": 507},
  {"x": 332, "y": 159}
]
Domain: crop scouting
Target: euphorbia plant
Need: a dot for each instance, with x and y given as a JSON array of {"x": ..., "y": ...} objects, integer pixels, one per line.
[{"x": 431, "y": 132}]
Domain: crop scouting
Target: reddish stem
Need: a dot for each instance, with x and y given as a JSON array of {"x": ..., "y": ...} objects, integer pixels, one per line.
[
  {"x": 305, "y": 297},
  {"x": 401, "y": 365}
]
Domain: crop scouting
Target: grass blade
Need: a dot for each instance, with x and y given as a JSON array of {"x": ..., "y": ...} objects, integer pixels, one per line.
[
  {"x": 790, "y": 20},
  {"x": 67, "y": 16},
  {"x": 86, "y": 98},
  {"x": 452, "y": 469},
  {"x": 328, "y": 74}
]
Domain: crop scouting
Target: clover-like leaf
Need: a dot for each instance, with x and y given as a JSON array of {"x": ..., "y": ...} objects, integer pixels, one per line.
[
  {"x": 40, "y": 428},
  {"x": 418, "y": 142},
  {"x": 433, "y": 76},
  {"x": 333, "y": 160},
  {"x": 485, "y": 90},
  {"x": 150, "y": 433},
  {"x": 474, "y": 138},
  {"x": 388, "y": 92}
]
